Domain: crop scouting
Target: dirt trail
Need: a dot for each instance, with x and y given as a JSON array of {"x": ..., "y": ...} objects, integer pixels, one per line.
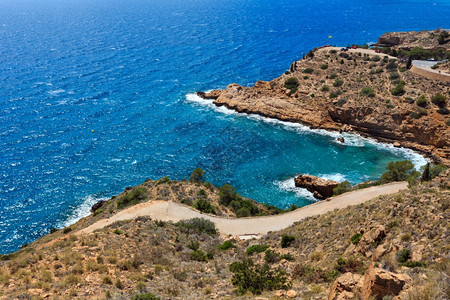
[{"x": 244, "y": 227}]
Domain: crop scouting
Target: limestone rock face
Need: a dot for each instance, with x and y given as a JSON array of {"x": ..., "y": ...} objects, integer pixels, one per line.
[
  {"x": 344, "y": 286},
  {"x": 97, "y": 205},
  {"x": 371, "y": 239},
  {"x": 379, "y": 283},
  {"x": 321, "y": 188}
]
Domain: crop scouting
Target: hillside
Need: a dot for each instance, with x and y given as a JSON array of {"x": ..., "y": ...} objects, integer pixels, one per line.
[{"x": 184, "y": 260}]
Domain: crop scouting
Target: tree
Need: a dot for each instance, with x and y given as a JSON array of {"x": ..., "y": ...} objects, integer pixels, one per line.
[
  {"x": 198, "y": 175},
  {"x": 397, "y": 171},
  {"x": 439, "y": 99},
  {"x": 409, "y": 63},
  {"x": 426, "y": 173},
  {"x": 227, "y": 193}
]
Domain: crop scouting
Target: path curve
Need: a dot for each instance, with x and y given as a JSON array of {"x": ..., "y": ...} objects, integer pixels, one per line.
[{"x": 247, "y": 227}]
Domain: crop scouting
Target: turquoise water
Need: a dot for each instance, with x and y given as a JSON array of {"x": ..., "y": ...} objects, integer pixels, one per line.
[{"x": 98, "y": 95}]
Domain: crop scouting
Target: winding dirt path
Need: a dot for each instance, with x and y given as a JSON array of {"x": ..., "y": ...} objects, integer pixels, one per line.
[{"x": 247, "y": 227}]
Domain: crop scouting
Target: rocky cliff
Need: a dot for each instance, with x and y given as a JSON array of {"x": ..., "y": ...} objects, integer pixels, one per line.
[{"x": 359, "y": 91}]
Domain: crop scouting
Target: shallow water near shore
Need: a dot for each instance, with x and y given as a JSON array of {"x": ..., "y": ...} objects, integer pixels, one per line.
[{"x": 98, "y": 95}]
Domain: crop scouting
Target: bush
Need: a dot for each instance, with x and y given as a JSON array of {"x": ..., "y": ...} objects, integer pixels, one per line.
[
  {"x": 145, "y": 296},
  {"x": 325, "y": 88},
  {"x": 399, "y": 89},
  {"x": 342, "y": 188},
  {"x": 243, "y": 212},
  {"x": 227, "y": 245},
  {"x": 341, "y": 102},
  {"x": 67, "y": 230},
  {"x": 414, "y": 264},
  {"x": 256, "y": 249},
  {"x": 421, "y": 101},
  {"x": 367, "y": 92},
  {"x": 348, "y": 265},
  {"x": 135, "y": 196},
  {"x": 333, "y": 76},
  {"x": 418, "y": 113},
  {"x": 447, "y": 122},
  {"x": 376, "y": 58},
  {"x": 199, "y": 225},
  {"x": 198, "y": 175},
  {"x": 391, "y": 65},
  {"x": 394, "y": 76},
  {"x": 291, "y": 83},
  {"x": 256, "y": 278},
  {"x": 53, "y": 230},
  {"x": 324, "y": 66},
  {"x": 286, "y": 240},
  {"x": 356, "y": 238},
  {"x": 397, "y": 171},
  {"x": 439, "y": 100},
  {"x": 443, "y": 110},
  {"x": 403, "y": 255},
  {"x": 338, "y": 82},
  {"x": 163, "y": 180},
  {"x": 199, "y": 255},
  {"x": 287, "y": 257},
  {"x": 205, "y": 206},
  {"x": 308, "y": 70},
  {"x": 435, "y": 170}
]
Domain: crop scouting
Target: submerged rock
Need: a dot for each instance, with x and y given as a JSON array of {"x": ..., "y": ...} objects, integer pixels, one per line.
[{"x": 321, "y": 188}]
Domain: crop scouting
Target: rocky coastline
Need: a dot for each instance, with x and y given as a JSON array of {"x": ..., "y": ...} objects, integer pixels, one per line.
[{"x": 328, "y": 93}]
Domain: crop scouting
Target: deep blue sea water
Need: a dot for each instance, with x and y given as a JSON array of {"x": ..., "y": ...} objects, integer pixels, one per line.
[{"x": 97, "y": 95}]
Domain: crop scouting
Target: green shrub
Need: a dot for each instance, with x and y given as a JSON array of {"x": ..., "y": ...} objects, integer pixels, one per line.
[
  {"x": 199, "y": 255},
  {"x": 305, "y": 77},
  {"x": 163, "y": 180},
  {"x": 414, "y": 264},
  {"x": 325, "y": 88},
  {"x": 341, "y": 102},
  {"x": 391, "y": 65},
  {"x": 145, "y": 296},
  {"x": 397, "y": 171},
  {"x": 418, "y": 113},
  {"x": 338, "y": 82},
  {"x": 403, "y": 255},
  {"x": 227, "y": 193},
  {"x": 308, "y": 70},
  {"x": 443, "y": 110},
  {"x": 421, "y": 101},
  {"x": 439, "y": 99},
  {"x": 291, "y": 83},
  {"x": 324, "y": 66},
  {"x": 399, "y": 89},
  {"x": 270, "y": 256},
  {"x": 135, "y": 196},
  {"x": 227, "y": 245},
  {"x": 205, "y": 206},
  {"x": 435, "y": 170},
  {"x": 256, "y": 249},
  {"x": 243, "y": 212},
  {"x": 335, "y": 94},
  {"x": 376, "y": 71},
  {"x": 286, "y": 240},
  {"x": 248, "y": 276},
  {"x": 333, "y": 76},
  {"x": 394, "y": 76},
  {"x": 187, "y": 201},
  {"x": 287, "y": 257},
  {"x": 198, "y": 175},
  {"x": 198, "y": 224},
  {"x": 194, "y": 245},
  {"x": 376, "y": 58},
  {"x": 117, "y": 231},
  {"x": 67, "y": 230},
  {"x": 356, "y": 238},
  {"x": 367, "y": 92},
  {"x": 342, "y": 188},
  {"x": 348, "y": 265}
]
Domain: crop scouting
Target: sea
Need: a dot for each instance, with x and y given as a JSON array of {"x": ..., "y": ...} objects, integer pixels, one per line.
[{"x": 98, "y": 95}]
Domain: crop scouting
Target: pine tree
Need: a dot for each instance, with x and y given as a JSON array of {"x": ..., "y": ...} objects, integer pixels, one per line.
[{"x": 426, "y": 173}]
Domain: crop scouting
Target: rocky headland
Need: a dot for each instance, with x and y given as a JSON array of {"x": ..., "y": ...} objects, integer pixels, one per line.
[{"x": 356, "y": 90}]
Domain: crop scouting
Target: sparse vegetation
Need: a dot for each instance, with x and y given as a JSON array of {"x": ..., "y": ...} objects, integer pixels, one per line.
[
  {"x": 367, "y": 92},
  {"x": 256, "y": 249},
  {"x": 131, "y": 198}
]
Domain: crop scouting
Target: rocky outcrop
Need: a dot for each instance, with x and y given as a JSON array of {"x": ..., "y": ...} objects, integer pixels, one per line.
[
  {"x": 321, "y": 188},
  {"x": 410, "y": 39},
  {"x": 379, "y": 283},
  {"x": 97, "y": 205},
  {"x": 210, "y": 95},
  {"x": 345, "y": 286}
]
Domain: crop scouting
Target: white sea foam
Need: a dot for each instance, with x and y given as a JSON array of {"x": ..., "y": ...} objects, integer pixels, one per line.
[
  {"x": 83, "y": 210},
  {"x": 336, "y": 177},
  {"x": 288, "y": 185},
  {"x": 350, "y": 139}
]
